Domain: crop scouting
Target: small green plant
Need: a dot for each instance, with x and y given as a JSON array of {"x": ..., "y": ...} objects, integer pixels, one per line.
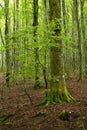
[
  {"x": 80, "y": 125},
  {"x": 63, "y": 115}
]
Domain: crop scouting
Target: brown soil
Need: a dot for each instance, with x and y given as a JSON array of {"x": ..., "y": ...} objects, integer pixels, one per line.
[{"x": 17, "y": 112}]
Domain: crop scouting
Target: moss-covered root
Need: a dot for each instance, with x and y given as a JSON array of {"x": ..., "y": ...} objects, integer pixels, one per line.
[
  {"x": 53, "y": 98},
  {"x": 65, "y": 96},
  {"x": 59, "y": 97}
]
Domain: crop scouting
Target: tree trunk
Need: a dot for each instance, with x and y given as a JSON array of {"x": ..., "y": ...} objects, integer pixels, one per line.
[
  {"x": 83, "y": 34},
  {"x": 45, "y": 51},
  {"x": 2, "y": 56},
  {"x": 67, "y": 55},
  {"x": 74, "y": 65},
  {"x": 15, "y": 44},
  {"x": 7, "y": 54},
  {"x": 35, "y": 23},
  {"x": 58, "y": 91},
  {"x": 79, "y": 41}
]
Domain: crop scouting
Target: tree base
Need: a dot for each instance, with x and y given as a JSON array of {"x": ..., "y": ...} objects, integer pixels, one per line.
[
  {"x": 59, "y": 97},
  {"x": 62, "y": 98},
  {"x": 37, "y": 85}
]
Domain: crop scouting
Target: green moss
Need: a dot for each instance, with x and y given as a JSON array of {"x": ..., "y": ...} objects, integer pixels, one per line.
[
  {"x": 59, "y": 97},
  {"x": 64, "y": 115}
]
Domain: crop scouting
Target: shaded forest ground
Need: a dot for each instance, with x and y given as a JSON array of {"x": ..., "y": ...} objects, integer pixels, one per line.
[{"x": 18, "y": 113}]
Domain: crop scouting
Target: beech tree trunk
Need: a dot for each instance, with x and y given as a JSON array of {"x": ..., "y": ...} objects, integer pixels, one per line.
[{"x": 58, "y": 91}]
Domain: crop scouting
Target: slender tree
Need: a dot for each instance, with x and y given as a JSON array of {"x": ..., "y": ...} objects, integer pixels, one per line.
[
  {"x": 83, "y": 33},
  {"x": 45, "y": 51},
  {"x": 35, "y": 24},
  {"x": 15, "y": 40},
  {"x": 7, "y": 54},
  {"x": 65, "y": 35},
  {"x": 73, "y": 37},
  {"x": 78, "y": 41},
  {"x": 3, "y": 43},
  {"x": 13, "y": 46}
]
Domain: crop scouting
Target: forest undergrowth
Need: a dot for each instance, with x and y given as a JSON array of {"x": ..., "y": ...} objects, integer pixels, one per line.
[{"x": 18, "y": 109}]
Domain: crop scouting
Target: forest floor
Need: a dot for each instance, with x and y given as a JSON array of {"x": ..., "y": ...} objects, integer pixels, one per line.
[{"x": 17, "y": 112}]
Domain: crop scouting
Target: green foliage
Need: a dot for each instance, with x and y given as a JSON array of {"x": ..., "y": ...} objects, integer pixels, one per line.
[
  {"x": 22, "y": 43},
  {"x": 63, "y": 115},
  {"x": 80, "y": 125}
]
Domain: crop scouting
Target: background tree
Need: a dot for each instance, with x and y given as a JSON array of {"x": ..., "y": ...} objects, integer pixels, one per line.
[
  {"x": 35, "y": 24},
  {"x": 83, "y": 33},
  {"x": 79, "y": 41},
  {"x": 7, "y": 43}
]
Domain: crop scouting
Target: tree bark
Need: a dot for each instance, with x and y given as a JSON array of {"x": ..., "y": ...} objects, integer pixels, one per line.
[
  {"x": 58, "y": 91},
  {"x": 35, "y": 24},
  {"x": 74, "y": 32},
  {"x": 79, "y": 41},
  {"x": 7, "y": 53},
  {"x": 66, "y": 58},
  {"x": 83, "y": 34},
  {"x": 2, "y": 56}
]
